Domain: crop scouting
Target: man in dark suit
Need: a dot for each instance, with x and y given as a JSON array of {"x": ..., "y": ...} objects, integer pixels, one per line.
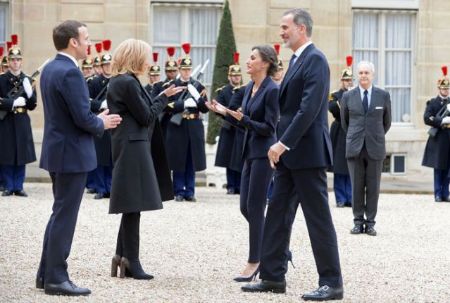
[
  {"x": 302, "y": 156},
  {"x": 366, "y": 118},
  {"x": 68, "y": 151}
]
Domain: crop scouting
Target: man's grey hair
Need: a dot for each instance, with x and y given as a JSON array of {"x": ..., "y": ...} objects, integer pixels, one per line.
[
  {"x": 366, "y": 64},
  {"x": 301, "y": 16}
]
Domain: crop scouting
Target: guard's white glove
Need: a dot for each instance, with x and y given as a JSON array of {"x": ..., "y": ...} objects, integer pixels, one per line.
[
  {"x": 104, "y": 105},
  {"x": 445, "y": 120},
  {"x": 190, "y": 103},
  {"x": 20, "y": 101},
  {"x": 194, "y": 92},
  {"x": 27, "y": 87}
]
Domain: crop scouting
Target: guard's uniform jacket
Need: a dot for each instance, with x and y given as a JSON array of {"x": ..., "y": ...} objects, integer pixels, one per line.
[
  {"x": 437, "y": 149},
  {"x": 190, "y": 134}
]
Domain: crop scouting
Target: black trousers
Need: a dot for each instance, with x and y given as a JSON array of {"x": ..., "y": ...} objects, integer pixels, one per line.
[
  {"x": 67, "y": 192},
  {"x": 256, "y": 176},
  {"x": 310, "y": 186},
  {"x": 365, "y": 176},
  {"x": 128, "y": 236}
]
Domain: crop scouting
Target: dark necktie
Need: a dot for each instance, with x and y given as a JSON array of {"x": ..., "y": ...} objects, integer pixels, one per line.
[{"x": 366, "y": 101}]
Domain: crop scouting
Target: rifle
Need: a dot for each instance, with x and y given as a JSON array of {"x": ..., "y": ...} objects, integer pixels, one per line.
[
  {"x": 178, "y": 117},
  {"x": 443, "y": 112},
  {"x": 14, "y": 93},
  {"x": 96, "y": 101}
]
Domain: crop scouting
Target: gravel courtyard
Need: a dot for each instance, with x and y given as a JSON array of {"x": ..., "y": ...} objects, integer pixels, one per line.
[{"x": 195, "y": 249}]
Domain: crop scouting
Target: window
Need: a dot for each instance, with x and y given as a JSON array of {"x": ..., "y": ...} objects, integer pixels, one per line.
[
  {"x": 180, "y": 23},
  {"x": 3, "y": 23},
  {"x": 394, "y": 164},
  {"x": 387, "y": 38}
]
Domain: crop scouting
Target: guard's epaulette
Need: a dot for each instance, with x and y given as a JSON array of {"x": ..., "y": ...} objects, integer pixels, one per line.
[
  {"x": 219, "y": 89},
  {"x": 168, "y": 83}
]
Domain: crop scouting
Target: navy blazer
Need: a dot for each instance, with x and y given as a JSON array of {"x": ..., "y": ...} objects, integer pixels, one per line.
[
  {"x": 303, "y": 126},
  {"x": 261, "y": 113},
  {"x": 69, "y": 124}
]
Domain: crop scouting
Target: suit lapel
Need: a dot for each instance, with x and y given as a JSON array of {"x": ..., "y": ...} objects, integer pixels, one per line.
[
  {"x": 357, "y": 100},
  {"x": 247, "y": 97},
  {"x": 257, "y": 97},
  {"x": 373, "y": 99},
  {"x": 292, "y": 70}
]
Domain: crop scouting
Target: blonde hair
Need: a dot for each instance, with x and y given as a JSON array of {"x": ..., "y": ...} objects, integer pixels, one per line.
[{"x": 131, "y": 56}]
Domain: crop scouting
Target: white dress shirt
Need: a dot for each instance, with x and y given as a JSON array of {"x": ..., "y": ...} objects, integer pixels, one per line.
[{"x": 369, "y": 94}]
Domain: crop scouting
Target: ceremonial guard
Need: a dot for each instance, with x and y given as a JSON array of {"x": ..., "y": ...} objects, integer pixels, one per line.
[
  {"x": 228, "y": 132},
  {"x": 279, "y": 75},
  {"x": 17, "y": 98},
  {"x": 437, "y": 150},
  {"x": 87, "y": 67},
  {"x": 102, "y": 175},
  {"x": 341, "y": 181},
  {"x": 98, "y": 59},
  {"x": 185, "y": 139},
  {"x": 171, "y": 71},
  {"x": 154, "y": 74}
]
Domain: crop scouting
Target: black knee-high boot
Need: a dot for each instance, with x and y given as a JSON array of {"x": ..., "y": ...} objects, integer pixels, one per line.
[{"x": 130, "y": 260}]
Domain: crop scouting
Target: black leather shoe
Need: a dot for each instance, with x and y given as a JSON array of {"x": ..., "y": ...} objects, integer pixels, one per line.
[
  {"x": 191, "y": 199},
  {"x": 134, "y": 269},
  {"x": 357, "y": 229},
  {"x": 340, "y": 204},
  {"x": 21, "y": 193},
  {"x": 348, "y": 204},
  {"x": 371, "y": 231},
  {"x": 446, "y": 199},
  {"x": 7, "y": 193},
  {"x": 39, "y": 283},
  {"x": 324, "y": 293},
  {"x": 179, "y": 198},
  {"x": 66, "y": 288},
  {"x": 266, "y": 286},
  {"x": 437, "y": 199},
  {"x": 2, "y": 188},
  {"x": 91, "y": 191}
]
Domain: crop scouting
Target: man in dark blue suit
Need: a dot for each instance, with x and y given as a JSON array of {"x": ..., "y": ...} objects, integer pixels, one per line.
[
  {"x": 68, "y": 151},
  {"x": 301, "y": 156}
]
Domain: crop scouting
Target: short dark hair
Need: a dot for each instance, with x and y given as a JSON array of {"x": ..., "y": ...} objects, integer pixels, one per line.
[
  {"x": 65, "y": 31},
  {"x": 301, "y": 16},
  {"x": 268, "y": 54}
]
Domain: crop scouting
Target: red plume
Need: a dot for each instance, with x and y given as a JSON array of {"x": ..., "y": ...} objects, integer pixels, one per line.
[
  {"x": 98, "y": 47},
  {"x": 1, "y": 51},
  {"x": 186, "y": 47},
  {"x": 8, "y": 45},
  {"x": 349, "y": 60},
  {"x": 106, "y": 45},
  {"x": 89, "y": 50},
  {"x": 14, "y": 39},
  {"x": 171, "y": 51},
  {"x": 277, "y": 46},
  {"x": 155, "y": 57},
  {"x": 444, "y": 70},
  {"x": 236, "y": 58}
]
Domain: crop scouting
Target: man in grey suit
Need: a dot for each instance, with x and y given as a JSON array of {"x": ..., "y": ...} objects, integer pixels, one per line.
[{"x": 366, "y": 118}]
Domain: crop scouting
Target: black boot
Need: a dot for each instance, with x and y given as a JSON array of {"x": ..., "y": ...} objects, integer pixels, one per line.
[
  {"x": 134, "y": 269},
  {"x": 130, "y": 264}
]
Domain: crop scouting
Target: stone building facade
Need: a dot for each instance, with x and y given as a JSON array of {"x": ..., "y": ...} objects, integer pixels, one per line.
[{"x": 405, "y": 39}]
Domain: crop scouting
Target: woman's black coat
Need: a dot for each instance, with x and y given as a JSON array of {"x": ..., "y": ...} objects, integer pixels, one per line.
[{"x": 141, "y": 176}]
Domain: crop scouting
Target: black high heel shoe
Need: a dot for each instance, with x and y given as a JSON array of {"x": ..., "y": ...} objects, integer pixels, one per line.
[
  {"x": 133, "y": 269},
  {"x": 115, "y": 264},
  {"x": 250, "y": 278}
]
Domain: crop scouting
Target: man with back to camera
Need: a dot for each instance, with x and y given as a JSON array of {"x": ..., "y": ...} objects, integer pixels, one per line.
[{"x": 68, "y": 151}]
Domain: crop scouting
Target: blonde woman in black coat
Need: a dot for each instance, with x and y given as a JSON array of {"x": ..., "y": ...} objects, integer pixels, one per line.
[{"x": 141, "y": 177}]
